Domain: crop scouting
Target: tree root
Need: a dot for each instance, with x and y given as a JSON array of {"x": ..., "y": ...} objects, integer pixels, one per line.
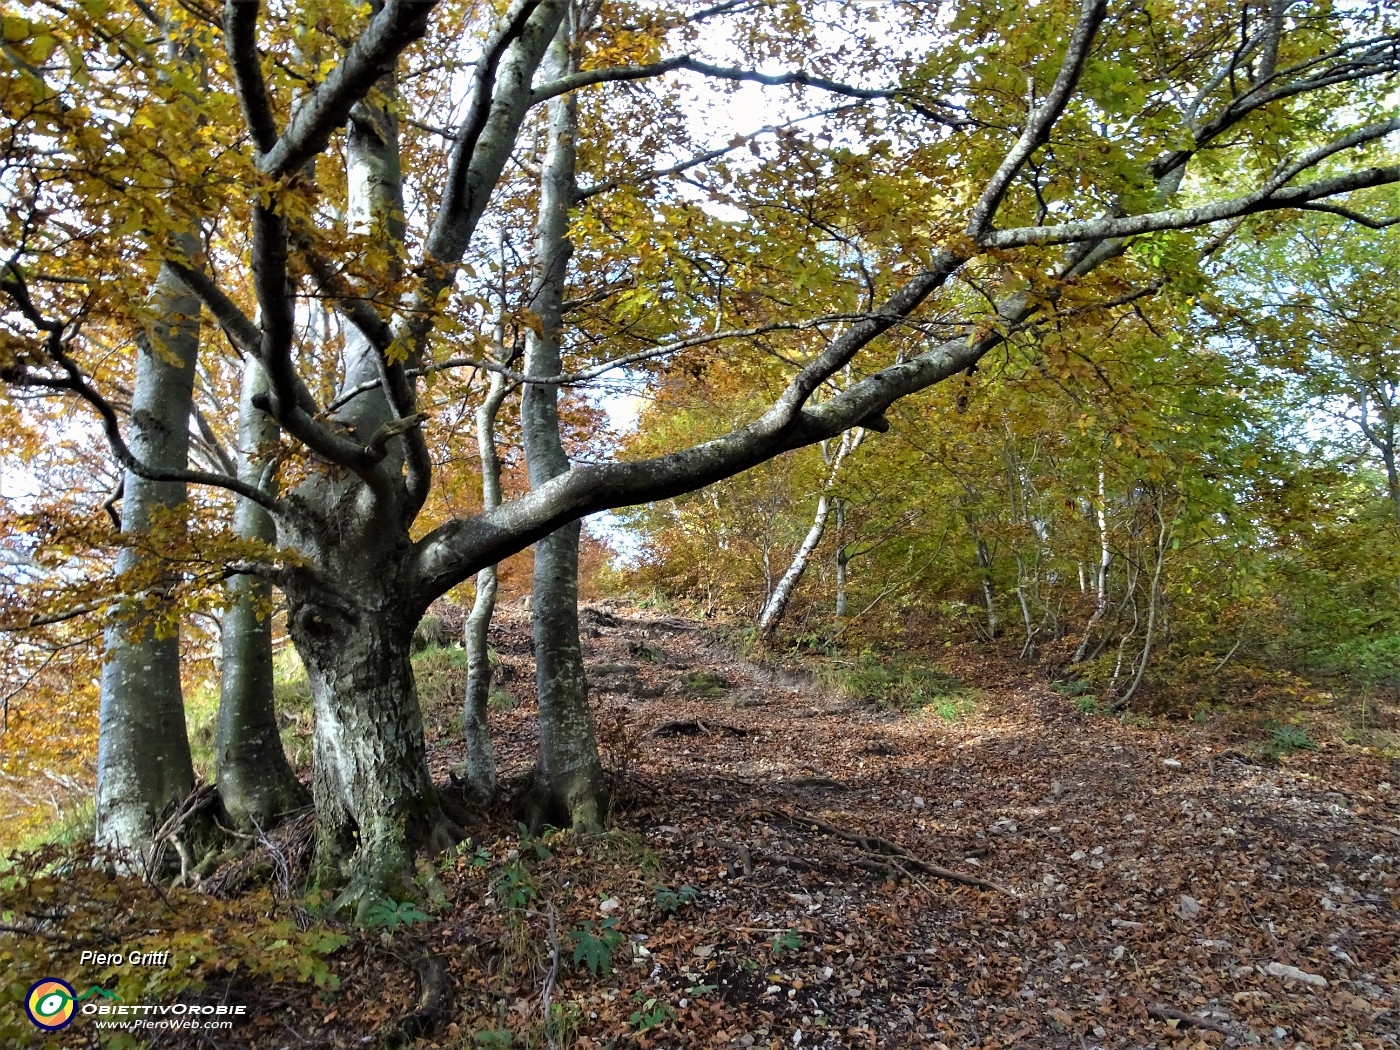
[
  {"x": 436, "y": 996},
  {"x": 882, "y": 853}
]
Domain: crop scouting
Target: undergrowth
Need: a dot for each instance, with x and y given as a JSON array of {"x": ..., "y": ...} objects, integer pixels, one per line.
[
  {"x": 900, "y": 683},
  {"x": 58, "y": 902}
]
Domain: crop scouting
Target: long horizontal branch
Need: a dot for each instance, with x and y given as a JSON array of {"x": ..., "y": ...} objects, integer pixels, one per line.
[
  {"x": 1183, "y": 218},
  {"x": 943, "y": 113}
]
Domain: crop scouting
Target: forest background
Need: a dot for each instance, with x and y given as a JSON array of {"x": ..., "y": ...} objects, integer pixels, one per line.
[{"x": 1143, "y": 437}]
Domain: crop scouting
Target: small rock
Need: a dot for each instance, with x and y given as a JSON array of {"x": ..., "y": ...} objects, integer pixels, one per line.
[
  {"x": 918, "y": 802},
  {"x": 609, "y": 905},
  {"x": 1004, "y": 826},
  {"x": 1187, "y": 907},
  {"x": 1292, "y": 973},
  {"x": 1171, "y": 763},
  {"x": 1078, "y": 854}
]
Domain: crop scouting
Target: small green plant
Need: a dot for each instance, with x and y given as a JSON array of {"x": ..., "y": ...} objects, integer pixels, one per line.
[
  {"x": 655, "y": 600},
  {"x": 515, "y": 887},
  {"x": 1071, "y": 687},
  {"x": 1288, "y": 739},
  {"x": 565, "y": 1020},
  {"x": 594, "y": 945},
  {"x": 500, "y": 700},
  {"x": 788, "y": 941},
  {"x": 1086, "y": 703},
  {"x": 532, "y": 842},
  {"x": 389, "y": 914},
  {"x": 894, "y": 682},
  {"x": 467, "y": 855},
  {"x": 953, "y": 710},
  {"x": 652, "y": 1013},
  {"x": 671, "y": 901},
  {"x": 494, "y": 1037}
]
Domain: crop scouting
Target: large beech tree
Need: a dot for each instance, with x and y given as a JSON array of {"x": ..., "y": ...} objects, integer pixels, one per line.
[{"x": 364, "y": 161}]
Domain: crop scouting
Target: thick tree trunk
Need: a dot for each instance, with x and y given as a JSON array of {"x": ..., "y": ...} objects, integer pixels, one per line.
[
  {"x": 352, "y": 617},
  {"x": 570, "y": 776},
  {"x": 256, "y": 784},
  {"x": 375, "y": 801},
  {"x": 144, "y": 769},
  {"x": 570, "y": 783}
]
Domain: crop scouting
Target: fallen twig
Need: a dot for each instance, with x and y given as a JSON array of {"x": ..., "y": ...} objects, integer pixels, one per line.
[
  {"x": 1168, "y": 1014},
  {"x": 879, "y": 850}
]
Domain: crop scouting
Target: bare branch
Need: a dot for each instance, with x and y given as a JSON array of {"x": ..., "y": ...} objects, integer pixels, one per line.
[
  {"x": 1264, "y": 199},
  {"x": 1040, "y": 119},
  {"x": 943, "y": 113}
]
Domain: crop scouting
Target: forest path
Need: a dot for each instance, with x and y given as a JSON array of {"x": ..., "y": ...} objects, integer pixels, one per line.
[{"x": 1163, "y": 891}]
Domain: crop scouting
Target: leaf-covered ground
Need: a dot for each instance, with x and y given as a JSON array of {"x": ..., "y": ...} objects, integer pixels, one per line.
[{"x": 771, "y": 879}]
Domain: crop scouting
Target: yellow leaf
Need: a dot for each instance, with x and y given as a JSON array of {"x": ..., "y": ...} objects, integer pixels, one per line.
[{"x": 15, "y": 28}]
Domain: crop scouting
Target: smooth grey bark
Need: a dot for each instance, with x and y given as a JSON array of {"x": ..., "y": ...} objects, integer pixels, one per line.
[
  {"x": 144, "y": 768},
  {"x": 1101, "y": 575},
  {"x": 569, "y": 775},
  {"x": 376, "y": 804},
  {"x": 256, "y": 783}
]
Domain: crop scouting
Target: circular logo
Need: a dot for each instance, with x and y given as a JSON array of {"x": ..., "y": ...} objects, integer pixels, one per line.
[{"x": 50, "y": 1003}]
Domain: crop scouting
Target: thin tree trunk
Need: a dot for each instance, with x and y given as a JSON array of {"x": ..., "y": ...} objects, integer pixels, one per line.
[
  {"x": 843, "y": 558},
  {"x": 256, "y": 783},
  {"x": 144, "y": 768},
  {"x": 984, "y": 563},
  {"x": 776, "y": 605},
  {"x": 1101, "y": 579},
  {"x": 1153, "y": 591},
  {"x": 1029, "y": 647},
  {"x": 569, "y": 779},
  {"x": 481, "y": 755}
]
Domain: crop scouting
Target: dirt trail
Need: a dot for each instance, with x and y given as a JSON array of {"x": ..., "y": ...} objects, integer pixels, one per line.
[{"x": 1163, "y": 891}]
